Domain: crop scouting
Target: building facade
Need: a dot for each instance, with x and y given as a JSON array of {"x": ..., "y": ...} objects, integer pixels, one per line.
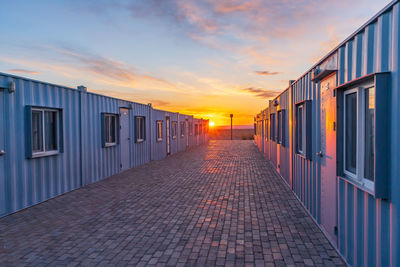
[
  {"x": 334, "y": 137},
  {"x": 55, "y": 139}
]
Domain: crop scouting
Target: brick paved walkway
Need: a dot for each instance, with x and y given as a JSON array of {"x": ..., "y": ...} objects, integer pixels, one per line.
[{"x": 219, "y": 204}]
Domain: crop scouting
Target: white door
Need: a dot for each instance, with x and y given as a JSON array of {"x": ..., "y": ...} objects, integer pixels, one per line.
[
  {"x": 168, "y": 132},
  {"x": 328, "y": 157},
  {"x": 125, "y": 138},
  {"x": 2, "y": 155}
]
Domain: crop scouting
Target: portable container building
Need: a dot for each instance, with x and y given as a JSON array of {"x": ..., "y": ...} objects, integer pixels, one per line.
[
  {"x": 343, "y": 145},
  {"x": 55, "y": 139}
]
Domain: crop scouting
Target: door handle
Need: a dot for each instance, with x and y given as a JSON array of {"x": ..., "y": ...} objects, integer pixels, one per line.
[{"x": 2, "y": 152}]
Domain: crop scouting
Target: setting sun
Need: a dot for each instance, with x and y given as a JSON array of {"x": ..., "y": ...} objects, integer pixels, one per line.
[{"x": 211, "y": 124}]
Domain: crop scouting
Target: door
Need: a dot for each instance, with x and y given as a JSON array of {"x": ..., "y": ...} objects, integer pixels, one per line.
[
  {"x": 2, "y": 155},
  {"x": 168, "y": 132},
  {"x": 187, "y": 133},
  {"x": 327, "y": 157},
  {"x": 125, "y": 138}
]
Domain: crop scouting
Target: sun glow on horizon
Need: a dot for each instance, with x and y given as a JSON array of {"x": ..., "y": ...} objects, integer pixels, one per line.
[{"x": 211, "y": 124}]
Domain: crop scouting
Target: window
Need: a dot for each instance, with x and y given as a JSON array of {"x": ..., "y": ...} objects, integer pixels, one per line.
[
  {"x": 303, "y": 128},
  {"x": 300, "y": 129},
  {"x": 191, "y": 128},
  {"x": 200, "y": 129},
  {"x": 266, "y": 129},
  {"x": 45, "y": 129},
  {"x": 174, "y": 129},
  {"x": 279, "y": 139},
  {"x": 182, "y": 128},
  {"x": 359, "y": 134},
  {"x": 140, "y": 129},
  {"x": 196, "y": 129},
  {"x": 272, "y": 127},
  {"x": 110, "y": 129},
  {"x": 159, "y": 130}
]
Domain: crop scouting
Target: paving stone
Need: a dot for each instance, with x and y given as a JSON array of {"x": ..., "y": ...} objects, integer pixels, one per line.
[{"x": 218, "y": 204}]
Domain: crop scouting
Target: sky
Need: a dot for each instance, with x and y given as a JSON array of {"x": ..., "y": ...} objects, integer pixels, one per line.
[{"x": 208, "y": 58}]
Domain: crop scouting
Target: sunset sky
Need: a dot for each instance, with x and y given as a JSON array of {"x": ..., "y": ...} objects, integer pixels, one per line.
[{"x": 206, "y": 57}]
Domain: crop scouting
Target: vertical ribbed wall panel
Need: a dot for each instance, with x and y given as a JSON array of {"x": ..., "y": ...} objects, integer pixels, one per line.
[
  {"x": 31, "y": 181},
  {"x": 368, "y": 228},
  {"x": 159, "y": 148},
  {"x": 174, "y": 141},
  {"x": 141, "y": 151}
]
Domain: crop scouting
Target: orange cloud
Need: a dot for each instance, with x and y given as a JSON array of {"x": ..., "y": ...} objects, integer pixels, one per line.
[
  {"x": 261, "y": 93},
  {"x": 23, "y": 71},
  {"x": 265, "y": 73}
]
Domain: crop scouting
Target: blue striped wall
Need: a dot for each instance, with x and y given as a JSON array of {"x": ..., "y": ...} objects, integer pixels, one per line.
[
  {"x": 25, "y": 182},
  {"x": 31, "y": 181},
  {"x": 368, "y": 227},
  {"x": 142, "y": 150},
  {"x": 158, "y": 148}
]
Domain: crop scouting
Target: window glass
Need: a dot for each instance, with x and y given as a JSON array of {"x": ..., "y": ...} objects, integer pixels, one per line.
[
  {"x": 196, "y": 129},
  {"x": 159, "y": 130},
  {"x": 279, "y": 126},
  {"x": 44, "y": 132},
  {"x": 37, "y": 131},
  {"x": 182, "y": 129},
  {"x": 51, "y": 130},
  {"x": 351, "y": 132},
  {"x": 174, "y": 123},
  {"x": 369, "y": 134},
  {"x": 110, "y": 124},
  {"x": 299, "y": 125},
  {"x": 272, "y": 127}
]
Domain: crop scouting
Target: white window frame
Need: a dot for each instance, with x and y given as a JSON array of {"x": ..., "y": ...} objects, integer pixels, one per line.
[
  {"x": 159, "y": 125},
  {"x": 360, "y": 159},
  {"x": 182, "y": 128},
  {"x": 108, "y": 144},
  {"x": 174, "y": 128},
  {"x": 45, "y": 152},
  {"x": 140, "y": 123}
]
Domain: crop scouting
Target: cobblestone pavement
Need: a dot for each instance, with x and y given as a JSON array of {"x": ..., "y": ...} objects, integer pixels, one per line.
[{"x": 217, "y": 204}]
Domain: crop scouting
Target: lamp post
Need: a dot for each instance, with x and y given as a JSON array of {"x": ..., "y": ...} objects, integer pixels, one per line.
[{"x": 231, "y": 127}]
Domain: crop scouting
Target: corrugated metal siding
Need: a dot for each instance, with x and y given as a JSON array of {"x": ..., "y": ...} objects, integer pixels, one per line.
[
  {"x": 182, "y": 139},
  {"x": 306, "y": 173},
  {"x": 284, "y": 151},
  {"x": 368, "y": 228},
  {"x": 25, "y": 182},
  {"x": 100, "y": 162},
  {"x": 141, "y": 151},
  {"x": 159, "y": 148},
  {"x": 174, "y": 141},
  {"x": 31, "y": 181}
]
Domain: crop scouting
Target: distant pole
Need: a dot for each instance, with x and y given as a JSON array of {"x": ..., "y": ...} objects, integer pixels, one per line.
[{"x": 231, "y": 127}]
